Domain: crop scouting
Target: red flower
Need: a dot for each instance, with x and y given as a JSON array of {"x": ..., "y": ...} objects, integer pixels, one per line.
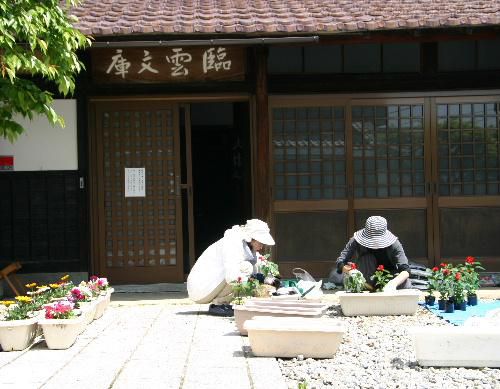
[
  {"x": 435, "y": 268},
  {"x": 380, "y": 268},
  {"x": 458, "y": 276},
  {"x": 353, "y": 266},
  {"x": 94, "y": 278},
  {"x": 470, "y": 260},
  {"x": 446, "y": 272},
  {"x": 239, "y": 279},
  {"x": 442, "y": 264}
]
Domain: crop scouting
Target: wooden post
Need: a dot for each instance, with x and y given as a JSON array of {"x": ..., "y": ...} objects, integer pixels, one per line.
[{"x": 262, "y": 189}]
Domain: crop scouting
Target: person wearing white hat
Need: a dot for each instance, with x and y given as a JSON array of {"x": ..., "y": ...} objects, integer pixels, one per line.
[
  {"x": 373, "y": 246},
  {"x": 232, "y": 256}
]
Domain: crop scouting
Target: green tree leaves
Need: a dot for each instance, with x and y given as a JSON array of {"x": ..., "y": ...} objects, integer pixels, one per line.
[{"x": 37, "y": 40}]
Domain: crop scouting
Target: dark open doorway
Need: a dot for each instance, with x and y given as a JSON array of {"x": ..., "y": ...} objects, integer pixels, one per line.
[{"x": 220, "y": 144}]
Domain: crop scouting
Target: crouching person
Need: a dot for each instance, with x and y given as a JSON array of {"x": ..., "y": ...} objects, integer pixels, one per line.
[
  {"x": 375, "y": 246},
  {"x": 232, "y": 256}
]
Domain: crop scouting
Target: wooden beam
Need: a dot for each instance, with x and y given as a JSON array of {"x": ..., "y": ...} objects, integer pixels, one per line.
[{"x": 262, "y": 179}]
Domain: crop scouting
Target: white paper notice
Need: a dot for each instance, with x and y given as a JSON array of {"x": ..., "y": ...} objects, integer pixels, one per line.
[{"x": 135, "y": 182}]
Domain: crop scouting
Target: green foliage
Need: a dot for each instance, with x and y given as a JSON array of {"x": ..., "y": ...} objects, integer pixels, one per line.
[
  {"x": 354, "y": 281},
  {"x": 381, "y": 277},
  {"x": 22, "y": 310},
  {"x": 243, "y": 288},
  {"x": 37, "y": 41},
  {"x": 302, "y": 385}
]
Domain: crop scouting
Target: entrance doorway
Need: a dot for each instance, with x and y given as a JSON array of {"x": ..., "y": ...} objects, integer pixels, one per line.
[
  {"x": 221, "y": 173},
  {"x": 167, "y": 180}
]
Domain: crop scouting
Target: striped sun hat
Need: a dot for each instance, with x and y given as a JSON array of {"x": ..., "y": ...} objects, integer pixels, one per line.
[{"x": 375, "y": 235}]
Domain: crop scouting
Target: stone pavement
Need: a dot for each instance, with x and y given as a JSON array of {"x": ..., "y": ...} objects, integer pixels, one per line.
[
  {"x": 151, "y": 336},
  {"x": 148, "y": 342}
]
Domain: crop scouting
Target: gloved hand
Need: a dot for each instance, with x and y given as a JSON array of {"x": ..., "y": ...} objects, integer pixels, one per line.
[{"x": 390, "y": 286}]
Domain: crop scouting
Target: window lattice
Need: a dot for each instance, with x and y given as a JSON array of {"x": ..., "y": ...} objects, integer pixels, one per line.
[
  {"x": 309, "y": 153},
  {"x": 468, "y": 149},
  {"x": 388, "y": 151}
]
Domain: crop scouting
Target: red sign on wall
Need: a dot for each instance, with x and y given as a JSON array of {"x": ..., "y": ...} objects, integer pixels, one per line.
[{"x": 6, "y": 163}]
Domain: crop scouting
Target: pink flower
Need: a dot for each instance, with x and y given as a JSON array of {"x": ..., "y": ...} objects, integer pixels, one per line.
[{"x": 94, "y": 278}]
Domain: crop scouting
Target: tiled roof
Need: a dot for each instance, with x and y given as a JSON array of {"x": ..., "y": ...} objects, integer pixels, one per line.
[{"x": 264, "y": 17}]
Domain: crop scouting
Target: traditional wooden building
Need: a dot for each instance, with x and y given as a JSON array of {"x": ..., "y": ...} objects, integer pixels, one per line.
[{"x": 313, "y": 115}]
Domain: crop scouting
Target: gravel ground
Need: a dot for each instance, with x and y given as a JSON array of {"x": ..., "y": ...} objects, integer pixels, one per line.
[{"x": 377, "y": 353}]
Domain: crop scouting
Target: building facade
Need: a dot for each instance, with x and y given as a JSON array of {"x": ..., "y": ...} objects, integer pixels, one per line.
[{"x": 311, "y": 116}]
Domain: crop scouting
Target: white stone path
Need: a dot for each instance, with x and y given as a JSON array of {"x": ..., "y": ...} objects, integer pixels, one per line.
[{"x": 145, "y": 346}]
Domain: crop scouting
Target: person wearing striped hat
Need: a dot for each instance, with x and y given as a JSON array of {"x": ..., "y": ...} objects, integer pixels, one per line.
[{"x": 373, "y": 246}]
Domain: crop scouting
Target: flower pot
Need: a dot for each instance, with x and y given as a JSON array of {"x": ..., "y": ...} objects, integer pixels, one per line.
[
  {"x": 88, "y": 311},
  {"x": 462, "y": 305},
  {"x": 400, "y": 302},
  {"x": 449, "y": 306},
  {"x": 456, "y": 346},
  {"x": 430, "y": 299},
  {"x": 60, "y": 334},
  {"x": 287, "y": 337},
  {"x": 16, "y": 335},
  {"x": 472, "y": 299},
  {"x": 243, "y": 313},
  {"x": 441, "y": 304}
]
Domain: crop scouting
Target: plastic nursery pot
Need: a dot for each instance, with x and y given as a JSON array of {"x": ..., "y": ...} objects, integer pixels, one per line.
[
  {"x": 449, "y": 306},
  {"x": 441, "y": 304},
  {"x": 472, "y": 299},
  {"x": 462, "y": 306},
  {"x": 430, "y": 300}
]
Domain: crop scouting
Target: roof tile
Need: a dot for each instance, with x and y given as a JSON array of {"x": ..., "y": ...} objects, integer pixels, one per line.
[{"x": 118, "y": 17}]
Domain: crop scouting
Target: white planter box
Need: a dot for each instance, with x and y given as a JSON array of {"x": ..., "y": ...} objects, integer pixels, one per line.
[
  {"x": 400, "y": 302},
  {"x": 88, "y": 310},
  {"x": 16, "y": 335},
  {"x": 457, "y": 346},
  {"x": 289, "y": 337},
  {"x": 60, "y": 334},
  {"x": 247, "y": 312},
  {"x": 285, "y": 303}
]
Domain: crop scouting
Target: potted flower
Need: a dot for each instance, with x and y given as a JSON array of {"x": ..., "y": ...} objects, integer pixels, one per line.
[
  {"x": 243, "y": 288},
  {"x": 445, "y": 288},
  {"x": 354, "y": 281},
  {"x": 355, "y": 301},
  {"x": 18, "y": 324},
  {"x": 100, "y": 285},
  {"x": 434, "y": 277},
  {"x": 81, "y": 296},
  {"x": 471, "y": 278},
  {"x": 269, "y": 271},
  {"x": 459, "y": 292},
  {"x": 380, "y": 278},
  {"x": 61, "y": 324}
]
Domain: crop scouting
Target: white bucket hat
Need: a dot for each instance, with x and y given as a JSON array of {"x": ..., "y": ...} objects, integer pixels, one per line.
[
  {"x": 258, "y": 230},
  {"x": 375, "y": 235}
]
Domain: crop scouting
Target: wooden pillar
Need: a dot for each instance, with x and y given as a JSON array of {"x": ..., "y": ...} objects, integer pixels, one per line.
[{"x": 262, "y": 178}]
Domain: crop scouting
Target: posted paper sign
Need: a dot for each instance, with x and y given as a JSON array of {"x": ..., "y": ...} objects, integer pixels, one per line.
[{"x": 135, "y": 182}]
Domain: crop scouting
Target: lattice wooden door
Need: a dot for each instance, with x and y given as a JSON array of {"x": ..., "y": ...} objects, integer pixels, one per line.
[{"x": 139, "y": 235}]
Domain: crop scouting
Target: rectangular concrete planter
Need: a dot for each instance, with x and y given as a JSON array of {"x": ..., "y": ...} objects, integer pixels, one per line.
[
  {"x": 16, "y": 335},
  {"x": 285, "y": 303},
  {"x": 60, "y": 334},
  {"x": 287, "y": 337},
  {"x": 247, "y": 312},
  {"x": 103, "y": 303},
  {"x": 457, "y": 346},
  {"x": 400, "y": 302}
]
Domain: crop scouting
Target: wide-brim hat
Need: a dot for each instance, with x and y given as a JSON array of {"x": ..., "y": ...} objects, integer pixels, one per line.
[
  {"x": 258, "y": 230},
  {"x": 375, "y": 235}
]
